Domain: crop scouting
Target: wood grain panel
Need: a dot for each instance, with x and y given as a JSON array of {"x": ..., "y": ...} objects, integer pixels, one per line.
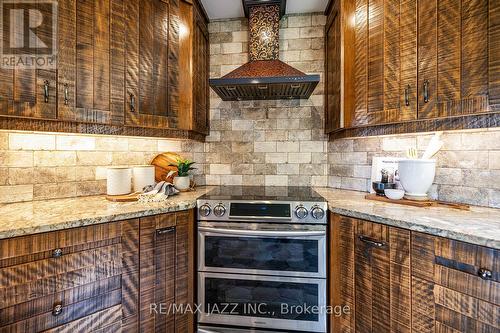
[
  {"x": 130, "y": 276},
  {"x": 107, "y": 320},
  {"x": 474, "y": 56},
  {"x": 375, "y": 55},
  {"x": 494, "y": 55},
  {"x": 408, "y": 59},
  {"x": 71, "y": 312},
  {"x": 448, "y": 59},
  {"x": 360, "y": 66},
  {"x": 25, "y": 310},
  {"x": 391, "y": 56},
  {"x": 153, "y": 82},
  {"x": 333, "y": 70},
  {"x": 342, "y": 272},
  {"x": 427, "y": 55},
  {"x": 32, "y": 244},
  {"x": 184, "y": 270}
]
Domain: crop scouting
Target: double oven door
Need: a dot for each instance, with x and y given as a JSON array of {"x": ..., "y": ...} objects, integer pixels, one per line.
[{"x": 262, "y": 275}]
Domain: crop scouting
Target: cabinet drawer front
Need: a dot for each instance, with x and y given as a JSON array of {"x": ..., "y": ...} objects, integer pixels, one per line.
[
  {"x": 45, "y": 304},
  {"x": 457, "y": 265},
  {"x": 34, "y": 247},
  {"x": 68, "y": 313}
]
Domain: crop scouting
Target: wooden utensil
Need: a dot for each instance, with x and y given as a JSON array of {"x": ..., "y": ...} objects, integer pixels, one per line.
[
  {"x": 162, "y": 166},
  {"x": 418, "y": 203}
]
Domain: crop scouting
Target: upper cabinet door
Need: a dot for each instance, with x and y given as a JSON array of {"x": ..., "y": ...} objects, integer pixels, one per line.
[
  {"x": 28, "y": 92},
  {"x": 333, "y": 71},
  {"x": 151, "y": 51},
  {"x": 385, "y": 64},
  {"x": 91, "y": 61},
  {"x": 458, "y": 58},
  {"x": 201, "y": 93}
]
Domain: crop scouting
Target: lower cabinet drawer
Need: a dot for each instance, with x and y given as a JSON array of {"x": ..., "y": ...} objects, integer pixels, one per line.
[
  {"x": 455, "y": 286},
  {"x": 64, "y": 281}
]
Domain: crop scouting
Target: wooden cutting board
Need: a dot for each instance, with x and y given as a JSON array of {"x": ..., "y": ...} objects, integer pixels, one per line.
[
  {"x": 162, "y": 166},
  {"x": 123, "y": 198},
  {"x": 418, "y": 203}
]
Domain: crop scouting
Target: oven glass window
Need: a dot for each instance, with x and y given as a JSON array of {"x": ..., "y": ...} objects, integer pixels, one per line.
[
  {"x": 264, "y": 299},
  {"x": 277, "y": 254}
]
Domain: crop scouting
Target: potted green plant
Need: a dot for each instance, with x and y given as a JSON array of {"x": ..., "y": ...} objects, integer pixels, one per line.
[{"x": 182, "y": 180}]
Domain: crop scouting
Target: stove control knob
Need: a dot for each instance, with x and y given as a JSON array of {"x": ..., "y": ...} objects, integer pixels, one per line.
[
  {"x": 317, "y": 212},
  {"x": 301, "y": 212},
  {"x": 219, "y": 210},
  {"x": 205, "y": 210}
]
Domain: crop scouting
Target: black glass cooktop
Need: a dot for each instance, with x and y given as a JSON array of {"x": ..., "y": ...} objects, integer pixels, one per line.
[{"x": 264, "y": 193}]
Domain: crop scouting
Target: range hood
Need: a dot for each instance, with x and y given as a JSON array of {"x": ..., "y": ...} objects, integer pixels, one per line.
[{"x": 265, "y": 76}]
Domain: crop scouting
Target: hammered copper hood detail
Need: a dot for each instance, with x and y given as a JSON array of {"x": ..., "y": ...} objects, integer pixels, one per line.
[{"x": 265, "y": 76}]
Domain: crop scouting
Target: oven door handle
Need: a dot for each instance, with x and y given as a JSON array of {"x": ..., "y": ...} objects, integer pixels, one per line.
[{"x": 271, "y": 233}]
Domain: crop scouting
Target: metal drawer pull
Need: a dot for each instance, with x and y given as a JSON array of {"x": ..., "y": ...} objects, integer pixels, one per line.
[
  {"x": 295, "y": 86},
  {"x": 262, "y": 87},
  {"x": 231, "y": 88},
  {"x": 57, "y": 310},
  {"x": 426, "y": 91},
  {"x": 57, "y": 253},
  {"x": 407, "y": 95},
  {"x": 372, "y": 242},
  {"x": 165, "y": 230},
  {"x": 485, "y": 274},
  {"x": 132, "y": 103},
  {"x": 66, "y": 94},
  {"x": 46, "y": 91}
]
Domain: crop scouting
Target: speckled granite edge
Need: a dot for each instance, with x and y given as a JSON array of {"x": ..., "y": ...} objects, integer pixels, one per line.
[
  {"x": 81, "y": 222},
  {"x": 26, "y": 218},
  {"x": 480, "y": 226},
  {"x": 414, "y": 226}
]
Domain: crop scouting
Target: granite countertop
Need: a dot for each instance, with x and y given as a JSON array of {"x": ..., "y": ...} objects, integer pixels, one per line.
[
  {"x": 479, "y": 226},
  {"x": 32, "y": 217}
]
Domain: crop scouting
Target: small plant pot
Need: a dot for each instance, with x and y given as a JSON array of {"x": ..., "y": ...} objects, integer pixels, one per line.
[{"x": 182, "y": 183}]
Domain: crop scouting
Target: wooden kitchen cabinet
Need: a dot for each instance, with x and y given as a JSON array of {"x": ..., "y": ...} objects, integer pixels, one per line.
[
  {"x": 385, "y": 62},
  {"x": 151, "y": 63},
  {"x": 339, "y": 78},
  {"x": 194, "y": 64},
  {"x": 370, "y": 273},
  {"x": 395, "y": 280},
  {"x": 62, "y": 280},
  {"x": 458, "y": 57},
  {"x": 90, "y": 76},
  {"x": 166, "y": 272},
  {"x": 29, "y": 93},
  {"x": 455, "y": 286},
  {"x": 100, "y": 278},
  {"x": 418, "y": 66}
]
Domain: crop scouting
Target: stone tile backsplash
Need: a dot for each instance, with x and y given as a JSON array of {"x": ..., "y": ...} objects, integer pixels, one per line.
[
  {"x": 273, "y": 143},
  {"x": 35, "y": 166},
  {"x": 468, "y": 165}
]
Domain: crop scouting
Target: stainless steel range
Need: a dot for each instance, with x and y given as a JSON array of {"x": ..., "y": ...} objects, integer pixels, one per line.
[{"x": 262, "y": 259}]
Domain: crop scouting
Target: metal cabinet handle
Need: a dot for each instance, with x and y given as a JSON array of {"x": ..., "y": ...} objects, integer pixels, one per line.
[
  {"x": 46, "y": 91},
  {"x": 57, "y": 309},
  {"x": 132, "y": 102},
  {"x": 407, "y": 95},
  {"x": 57, "y": 253},
  {"x": 426, "y": 91},
  {"x": 372, "y": 242},
  {"x": 165, "y": 230},
  {"x": 66, "y": 99},
  {"x": 485, "y": 274}
]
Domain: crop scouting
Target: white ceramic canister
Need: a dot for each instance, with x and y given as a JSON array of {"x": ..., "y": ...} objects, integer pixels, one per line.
[
  {"x": 118, "y": 180},
  {"x": 143, "y": 176},
  {"x": 417, "y": 176}
]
